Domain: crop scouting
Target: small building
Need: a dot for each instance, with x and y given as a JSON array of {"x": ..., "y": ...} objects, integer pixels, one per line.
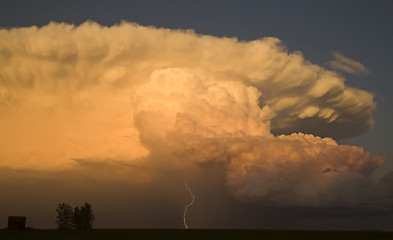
[{"x": 16, "y": 223}]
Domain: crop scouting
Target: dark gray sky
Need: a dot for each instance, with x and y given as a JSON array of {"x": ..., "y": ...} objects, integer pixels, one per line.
[{"x": 359, "y": 30}]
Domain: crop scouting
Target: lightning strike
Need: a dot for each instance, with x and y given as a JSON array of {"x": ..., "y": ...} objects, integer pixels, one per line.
[{"x": 188, "y": 205}]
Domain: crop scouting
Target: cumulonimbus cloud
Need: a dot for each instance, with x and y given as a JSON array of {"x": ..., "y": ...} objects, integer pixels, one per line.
[
  {"x": 131, "y": 93},
  {"x": 202, "y": 121}
]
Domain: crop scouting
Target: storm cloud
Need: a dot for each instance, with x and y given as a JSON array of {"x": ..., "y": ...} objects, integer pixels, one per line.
[{"x": 143, "y": 100}]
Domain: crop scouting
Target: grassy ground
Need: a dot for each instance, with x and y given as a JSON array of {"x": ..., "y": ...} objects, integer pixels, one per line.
[{"x": 173, "y": 234}]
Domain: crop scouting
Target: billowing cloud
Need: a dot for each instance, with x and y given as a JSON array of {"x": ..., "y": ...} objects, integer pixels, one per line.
[
  {"x": 223, "y": 122},
  {"x": 347, "y": 65},
  {"x": 78, "y": 97}
]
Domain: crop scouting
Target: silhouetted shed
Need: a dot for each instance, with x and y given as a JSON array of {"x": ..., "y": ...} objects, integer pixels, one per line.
[{"x": 16, "y": 223}]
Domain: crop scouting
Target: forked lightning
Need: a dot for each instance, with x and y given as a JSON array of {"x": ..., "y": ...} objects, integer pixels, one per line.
[{"x": 188, "y": 205}]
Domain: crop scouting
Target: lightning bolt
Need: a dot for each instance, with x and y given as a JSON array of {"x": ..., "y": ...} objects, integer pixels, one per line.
[{"x": 188, "y": 205}]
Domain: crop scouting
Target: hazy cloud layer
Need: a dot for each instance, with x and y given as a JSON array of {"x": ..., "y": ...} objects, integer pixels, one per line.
[
  {"x": 347, "y": 65},
  {"x": 142, "y": 101}
]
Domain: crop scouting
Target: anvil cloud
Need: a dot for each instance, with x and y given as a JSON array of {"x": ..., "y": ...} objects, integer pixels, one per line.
[{"x": 149, "y": 97}]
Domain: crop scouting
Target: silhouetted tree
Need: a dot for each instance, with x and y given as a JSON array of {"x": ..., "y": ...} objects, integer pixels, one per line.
[
  {"x": 78, "y": 218},
  {"x": 65, "y": 216},
  {"x": 83, "y": 217}
]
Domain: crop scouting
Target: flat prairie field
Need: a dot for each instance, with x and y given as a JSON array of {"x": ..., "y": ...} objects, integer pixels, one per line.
[{"x": 174, "y": 234}]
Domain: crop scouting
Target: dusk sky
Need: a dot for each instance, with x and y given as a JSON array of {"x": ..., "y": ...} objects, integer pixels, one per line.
[{"x": 278, "y": 113}]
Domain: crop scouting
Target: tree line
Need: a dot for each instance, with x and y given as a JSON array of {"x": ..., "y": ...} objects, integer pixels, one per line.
[{"x": 79, "y": 218}]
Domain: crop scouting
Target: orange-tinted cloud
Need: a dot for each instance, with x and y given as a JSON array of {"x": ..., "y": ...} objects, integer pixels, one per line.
[
  {"x": 222, "y": 122},
  {"x": 347, "y": 65},
  {"x": 127, "y": 95}
]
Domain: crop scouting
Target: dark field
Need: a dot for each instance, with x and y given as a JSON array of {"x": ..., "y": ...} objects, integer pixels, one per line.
[{"x": 173, "y": 234}]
